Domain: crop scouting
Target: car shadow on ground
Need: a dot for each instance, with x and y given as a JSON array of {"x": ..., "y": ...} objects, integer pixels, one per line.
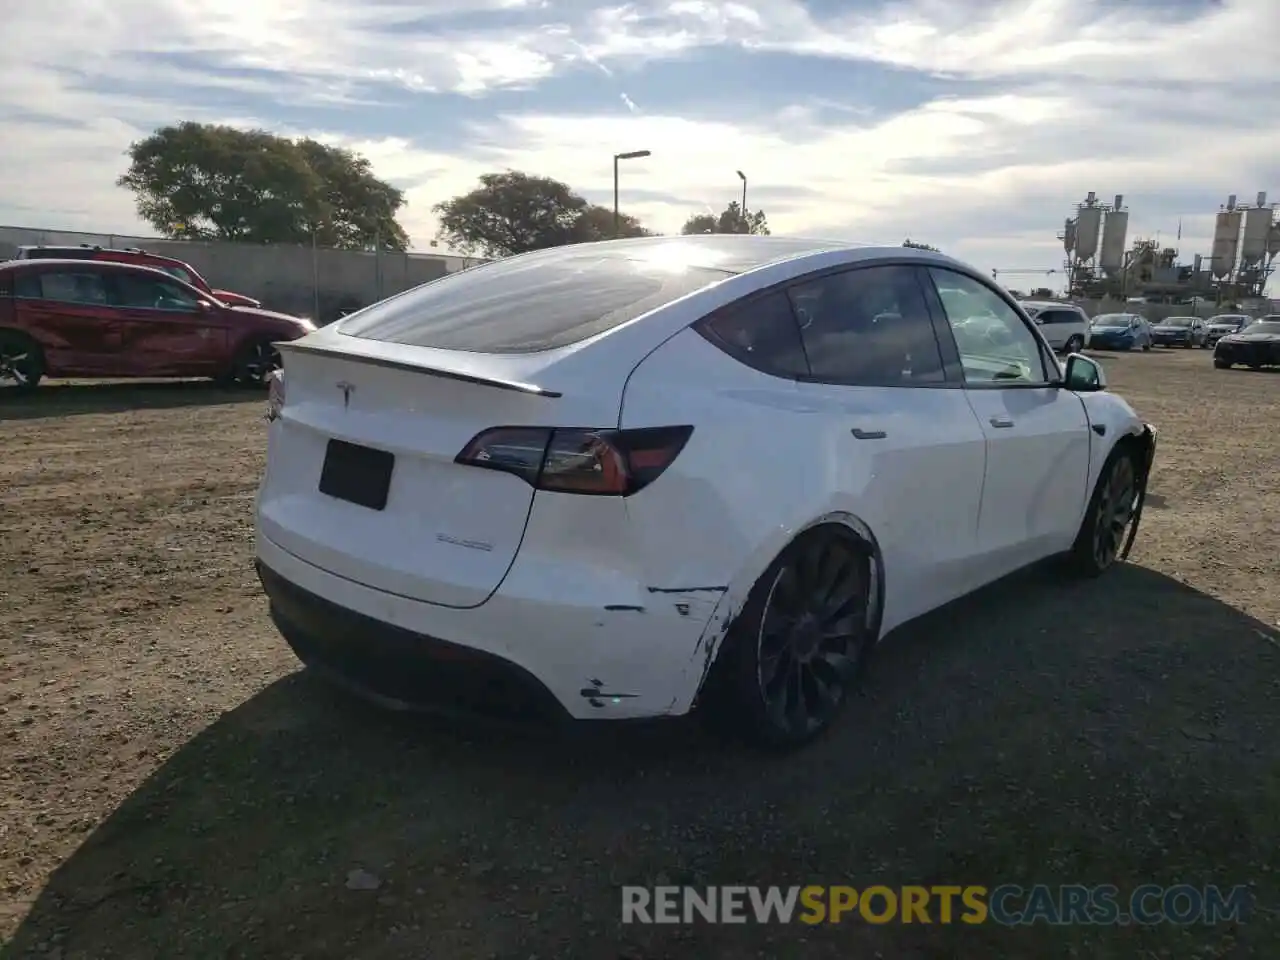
[
  {"x": 69, "y": 399},
  {"x": 1118, "y": 731}
]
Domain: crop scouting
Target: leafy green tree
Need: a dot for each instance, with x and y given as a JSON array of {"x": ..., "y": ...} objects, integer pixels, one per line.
[
  {"x": 730, "y": 220},
  {"x": 514, "y": 212},
  {"x": 919, "y": 246},
  {"x": 212, "y": 182}
]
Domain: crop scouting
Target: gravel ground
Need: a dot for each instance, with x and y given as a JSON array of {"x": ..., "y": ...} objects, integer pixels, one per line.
[{"x": 171, "y": 786}]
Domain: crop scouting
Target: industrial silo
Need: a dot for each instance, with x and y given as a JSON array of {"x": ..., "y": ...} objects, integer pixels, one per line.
[
  {"x": 1226, "y": 240},
  {"x": 1257, "y": 231},
  {"x": 1114, "y": 234},
  {"x": 1069, "y": 236},
  {"x": 1088, "y": 226}
]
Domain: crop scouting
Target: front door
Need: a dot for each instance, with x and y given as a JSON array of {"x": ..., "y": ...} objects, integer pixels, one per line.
[
  {"x": 1037, "y": 433},
  {"x": 165, "y": 331},
  {"x": 80, "y": 333},
  {"x": 907, "y": 449}
]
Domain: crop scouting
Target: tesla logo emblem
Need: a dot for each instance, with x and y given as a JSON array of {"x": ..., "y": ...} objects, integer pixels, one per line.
[{"x": 347, "y": 389}]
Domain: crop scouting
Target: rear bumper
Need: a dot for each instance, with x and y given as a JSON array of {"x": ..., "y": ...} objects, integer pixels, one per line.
[
  {"x": 519, "y": 656},
  {"x": 400, "y": 668}
]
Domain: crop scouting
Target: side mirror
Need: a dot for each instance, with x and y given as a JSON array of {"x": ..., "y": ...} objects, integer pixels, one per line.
[{"x": 1083, "y": 374}]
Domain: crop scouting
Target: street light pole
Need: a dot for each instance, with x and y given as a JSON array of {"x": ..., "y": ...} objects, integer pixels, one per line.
[
  {"x": 743, "y": 177},
  {"x": 633, "y": 155}
]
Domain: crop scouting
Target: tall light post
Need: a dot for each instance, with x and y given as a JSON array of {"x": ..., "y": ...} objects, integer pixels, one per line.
[
  {"x": 633, "y": 155},
  {"x": 743, "y": 177}
]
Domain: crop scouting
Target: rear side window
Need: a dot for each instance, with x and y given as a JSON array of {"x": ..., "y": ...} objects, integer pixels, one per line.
[
  {"x": 1057, "y": 316},
  {"x": 65, "y": 286},
  {"x": 762, "y": 333},
  {"x": 524, "y": 306}
]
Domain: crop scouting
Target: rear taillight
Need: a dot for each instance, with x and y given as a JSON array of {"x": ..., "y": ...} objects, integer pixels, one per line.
[{"x": 603, "y": 462}]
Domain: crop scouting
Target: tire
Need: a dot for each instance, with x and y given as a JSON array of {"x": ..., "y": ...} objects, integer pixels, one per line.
[
  {"x": 22, "y": 364},
  {"x": 252, "y": 365},
  {"x": 1146, "y": 347},
  {"x": 1221, "y": 364},
  {"x": 779, "y": 683},
  {"x": 1075, "y": 344},
  {"x": 1106, "y": 522}
]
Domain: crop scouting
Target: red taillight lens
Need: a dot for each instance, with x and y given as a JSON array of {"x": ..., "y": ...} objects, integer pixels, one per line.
[{"x": 578, "y": 460}]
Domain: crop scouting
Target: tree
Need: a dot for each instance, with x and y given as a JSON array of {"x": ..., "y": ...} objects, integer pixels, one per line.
[
  {"x": 919, "y": 246},
  {"x": 204, "y": 181},
  {"x": 513, "y": 212},
  {"x": 730, "y": 220},
  {"x": 596, "y": 223}
]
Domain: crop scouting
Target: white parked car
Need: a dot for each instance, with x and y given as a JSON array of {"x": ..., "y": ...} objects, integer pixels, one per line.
[
  {"x": 1064, "y": 325},
  {"x": 617, "y": 480}
]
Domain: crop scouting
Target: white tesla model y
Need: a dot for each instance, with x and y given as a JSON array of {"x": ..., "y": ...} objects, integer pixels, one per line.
[{"x": 616, "y": 480}]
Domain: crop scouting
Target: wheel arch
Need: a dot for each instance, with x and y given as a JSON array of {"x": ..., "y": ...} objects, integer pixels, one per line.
[{"x": 712, "y": 644}]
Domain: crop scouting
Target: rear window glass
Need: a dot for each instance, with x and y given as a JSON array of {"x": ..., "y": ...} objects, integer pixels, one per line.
[{"x": 525, "y": 306}]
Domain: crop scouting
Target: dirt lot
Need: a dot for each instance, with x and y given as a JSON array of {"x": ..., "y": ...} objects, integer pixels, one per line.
[{"x": 171, "y": 787}]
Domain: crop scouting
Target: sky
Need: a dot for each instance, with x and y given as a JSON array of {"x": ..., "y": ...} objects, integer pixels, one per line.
[{"x": 972, "y": 125}]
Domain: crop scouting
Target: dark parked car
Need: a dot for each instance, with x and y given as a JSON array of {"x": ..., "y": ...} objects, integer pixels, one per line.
[
  {"x": 1256, "y": 346},
  {"x": 1179, "y": 332},
  {"x": 1225, "y": 323},
  {"x": 85, "y": 318}
]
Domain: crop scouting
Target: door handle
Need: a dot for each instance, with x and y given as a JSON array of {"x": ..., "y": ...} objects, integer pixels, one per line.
[
  {"x": 869, "y": 434},
  {"x": 1001, "y": 422}
]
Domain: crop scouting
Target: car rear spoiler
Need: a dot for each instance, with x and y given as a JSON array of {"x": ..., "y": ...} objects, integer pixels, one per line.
[
  {"x": 389, "y": 364},
  {"x": 1148, "y": 442}
]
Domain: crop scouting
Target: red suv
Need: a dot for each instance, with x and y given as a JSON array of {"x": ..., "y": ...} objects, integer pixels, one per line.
[
  {"x": 176, "y": 268},
  {"x": 81, "y": 318}
]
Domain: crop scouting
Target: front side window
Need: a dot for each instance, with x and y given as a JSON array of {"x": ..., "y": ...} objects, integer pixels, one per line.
[
  {"x": 996, "y": 346},
  {"x": 138, "y": 291},
  {"x": 868, "y": 327}
]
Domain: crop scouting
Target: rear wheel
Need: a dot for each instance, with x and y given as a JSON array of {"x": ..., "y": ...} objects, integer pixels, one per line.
[
  {"x": 1111, "y": 511},
  {"x": 21, "y": 362},
  {"x": 1221, "y": 364},
  {"x": 794, "y": 654},
  {"x": 1075, "y": 344}
]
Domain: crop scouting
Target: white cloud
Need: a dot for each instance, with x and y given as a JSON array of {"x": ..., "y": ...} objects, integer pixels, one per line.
[{"x": 1161, "y": 103}]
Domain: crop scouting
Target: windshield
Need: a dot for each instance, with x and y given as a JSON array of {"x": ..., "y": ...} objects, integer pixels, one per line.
[
  {"x": 1112, "y": 320},
  {"x": 1263, "y": 326},
  {"x": 1177, "y": 322}
]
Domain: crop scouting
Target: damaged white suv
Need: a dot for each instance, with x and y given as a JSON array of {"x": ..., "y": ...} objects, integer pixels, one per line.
[{"x": 617, "y": 480}]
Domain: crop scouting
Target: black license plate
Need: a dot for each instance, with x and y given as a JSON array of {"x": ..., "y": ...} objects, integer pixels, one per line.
[{"x": 357, "y": 474}]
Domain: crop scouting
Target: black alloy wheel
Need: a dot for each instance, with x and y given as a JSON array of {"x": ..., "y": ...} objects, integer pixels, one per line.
[{"x": 794, "y": 655}]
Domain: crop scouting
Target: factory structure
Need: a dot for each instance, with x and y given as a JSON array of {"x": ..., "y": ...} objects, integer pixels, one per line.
[{"x": 1101, "y": 264}]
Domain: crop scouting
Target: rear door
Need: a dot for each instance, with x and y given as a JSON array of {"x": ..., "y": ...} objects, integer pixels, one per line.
[
  {"x": 1037, "y": 433},
  {"x": 164, "y": 330},
  {"x": 66, "y": 309},
  {"x": 908, "y": 451},
  {"x": 1056, "y": 325}
]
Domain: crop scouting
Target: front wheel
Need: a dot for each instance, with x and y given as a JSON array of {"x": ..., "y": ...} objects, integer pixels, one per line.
[
  {"x": 1221, "y": 364},
  {"x": 1146, "y": 347},
  {"x": 253, "y": 364},
  {"x": 21, "y": 362},
  {"x": 793, "y": 655},
  {"x": 1111, "y": 511}
]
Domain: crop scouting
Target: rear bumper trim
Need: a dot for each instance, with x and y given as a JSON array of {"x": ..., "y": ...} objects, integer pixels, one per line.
[{"x": 403, "y": 669}]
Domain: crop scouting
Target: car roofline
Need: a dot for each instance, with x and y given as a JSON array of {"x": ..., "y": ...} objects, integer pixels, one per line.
[{"x": 18, "y": 265}]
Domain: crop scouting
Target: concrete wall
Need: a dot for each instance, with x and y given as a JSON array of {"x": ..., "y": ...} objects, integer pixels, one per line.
[{"x": 296, "y": 280}]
